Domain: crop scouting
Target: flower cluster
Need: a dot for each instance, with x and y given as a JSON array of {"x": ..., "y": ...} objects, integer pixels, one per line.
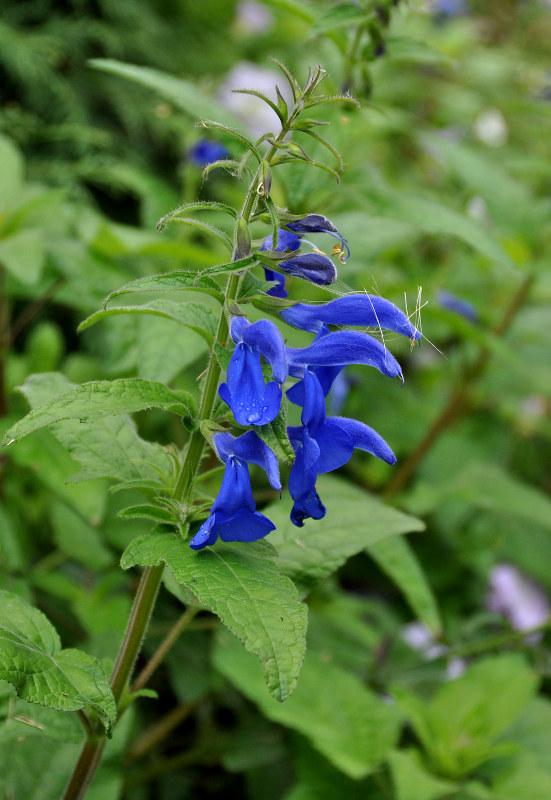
[{"x": 321, "y": 443}]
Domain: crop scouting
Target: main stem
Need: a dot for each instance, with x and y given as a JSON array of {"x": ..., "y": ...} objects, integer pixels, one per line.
[{"x": 150, "y": 581}]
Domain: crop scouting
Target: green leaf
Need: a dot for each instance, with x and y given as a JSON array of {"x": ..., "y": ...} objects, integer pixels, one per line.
[
  {"x": 93, "y": 400},
  {"x": 432, "y": 216},
  {"x": 20, "y": 719},
  {"x": 340, "y": 16},
  {"x": 242, "y": 585},
  {"x": 412, "y": 781},
  {"x": 183, "y": 94},
  {"x": 354, "y": 520},
  {"x": 233, "y": 132},
  {"x": 346, "y": 722},
  {"x": 109, "y": 447},
  {"x": 23, "y": 255},
  {"x": 459, "y": 727},
  {"x": 192, "y": 315},
  {"x": 31, "y": 659},
  {"x": 198, "y": 206},
  {"x": 396, "y": 558},
  {"x": 147, "y": 511},
  {"x": 12, "y": 173},
  {"x": 180, "y": 280},
  {"x": 404, "y": 49},
  {"x": 274, "y": 434},
  {"x": 232, "y": 266}
]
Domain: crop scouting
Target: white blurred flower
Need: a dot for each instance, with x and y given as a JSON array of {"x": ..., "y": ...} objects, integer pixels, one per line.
[
  {"x": 517, "y": 597},
  {"x": 477, "y": 208},
  {"x": 256, "y": 114},
  {"x": 491, "y": 128},
  {"x": 419, "y": 638},
  {"x": 253, "y": 17}
]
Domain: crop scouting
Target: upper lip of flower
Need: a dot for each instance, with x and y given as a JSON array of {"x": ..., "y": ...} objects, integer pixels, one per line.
[
  {"x": 369, "y": 311},
  {"x": 317, "y": 223}
]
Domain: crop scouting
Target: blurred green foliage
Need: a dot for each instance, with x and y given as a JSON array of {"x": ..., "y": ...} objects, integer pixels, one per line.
[{"x": 447, "y": 186}]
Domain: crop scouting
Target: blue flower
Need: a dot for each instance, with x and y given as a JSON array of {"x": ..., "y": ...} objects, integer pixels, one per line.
[
  {"x": 315, "y": 267},
  {"x": 316, "y": 223},
  {"x": 285, "y": 241},
  {"x": 250, "y": 399},
  {"x": 233, "y": 516},
  {"x": 369, "y": 311},
  {"x": 323, "y": 444},
  {"x": 250, "y": 448},
  {"x": 205, "y": 152},
  {"x": 341, "y": 348}
]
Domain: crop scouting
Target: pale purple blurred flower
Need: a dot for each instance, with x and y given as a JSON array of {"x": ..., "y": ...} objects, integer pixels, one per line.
[
  {"x": 419, "y": 638},
  {"x": 517, "y": 597},
  {"x": 253, "y": 17}
]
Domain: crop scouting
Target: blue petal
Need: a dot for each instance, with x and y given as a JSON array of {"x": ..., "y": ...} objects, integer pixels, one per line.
[
  {"x": 314, "y": 267},
  {"x": 206, "y": 535},
  {"x": 341, "y": 348},
  {"x": 285, "y": 241},
  {"x": 250, "y": 448},
  {"x": 317, "y": 223},
  {"x": 313, "y": 411},
  {"x": 365, "y": 438},
  {"x": 235, "y": 492},
  {"x": 457, "y": 304},
  {"x": 245, "y": 527},
  {"x": 205, "y": 152},
  {"x": 369, "y": 311},
  {"x": 266, "y": 338},
  {"x": 302, "y": 488},
  {"x": 279, "y": 290},
  {"x": 335, "y": 444},
  {"x": 251, "y": 402}
]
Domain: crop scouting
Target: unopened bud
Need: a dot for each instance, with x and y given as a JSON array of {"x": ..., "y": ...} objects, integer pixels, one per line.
[
  {"x": 242, "y": 239},
  {"x": 296, "y": 150},
  {"x": 265, "y": 182}
]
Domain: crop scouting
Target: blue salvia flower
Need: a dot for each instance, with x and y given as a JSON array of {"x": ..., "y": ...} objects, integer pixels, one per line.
[
  {"x": 316, "y": 223},
  {"x": 315, "y": 267},
  {"x": 323, "y": 444},
  {"x": 250, "y": 399},
  {"x": 286, "y": 241},
  {"x": 233, "y": 515},
  {"x": 341, "y": 348},
  {"x": 205, "y": 152},
  {"x": 367, "y": 310}
]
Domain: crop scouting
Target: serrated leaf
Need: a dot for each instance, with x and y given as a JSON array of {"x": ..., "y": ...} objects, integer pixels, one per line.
[
  {"x": 22, "y": 719},
  {"x": 192, "y": 315},
  {"x": 93, "y": 400},
  {"x": 106, "y": 448},
  {"x": 31, "y": 660},
  {"x": 274, "y": 434},
  {"x": 183, "y": 94},
  {"x": 349, "y": 724},
  {"x": 240, "y": 583},
  {"x": 395, "y": 557},
  {"x": 354, "y": 520},
  {"x": 179, "y": 280}
]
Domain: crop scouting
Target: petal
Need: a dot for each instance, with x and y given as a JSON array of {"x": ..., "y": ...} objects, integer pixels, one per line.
[
  {"x": 317, "y": 223},
  {"x": 266, "y": 338},
  {"x": 341, "y": 348},
  {"x": 206, "y": 535},
  {"x": 302, "y": 488},
  {"x": 271, "y": 404},
  {"x": 250, "y": 448},
  {"x": 235, "y": 491},
  {"x": 309, "y": 506},
  {"x": 237, "y": 326},
  {"x": 279, "y": 290},
  {"x": 458, "y": 304},
  {"x": 313, "y": 411},
  {"x": 245, "y": 388},
  {"x": 367, "y": 310},
  {"x": 285, "y": 241},
  {"x": 314, "y": 267},
  {"x": 365, "y": 438},
  {"x": 336, "y": 447},
  {"x": 245, "y": 527}
]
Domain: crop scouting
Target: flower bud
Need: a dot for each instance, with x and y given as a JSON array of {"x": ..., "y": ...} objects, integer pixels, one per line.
[{"x": 242, "y": 239}]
